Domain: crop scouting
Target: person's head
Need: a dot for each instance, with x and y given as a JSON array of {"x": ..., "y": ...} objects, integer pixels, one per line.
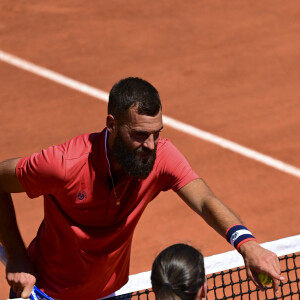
[
  {"x": 178, "y": 274},
  {"x": 134, "y": 121}
]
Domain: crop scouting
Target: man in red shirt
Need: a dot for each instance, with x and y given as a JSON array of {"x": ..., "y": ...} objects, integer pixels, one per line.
[{"x": 95, "y": 188}]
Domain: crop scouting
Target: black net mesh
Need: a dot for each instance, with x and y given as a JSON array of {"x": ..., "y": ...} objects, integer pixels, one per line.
[{"x": 234, "y": 284}]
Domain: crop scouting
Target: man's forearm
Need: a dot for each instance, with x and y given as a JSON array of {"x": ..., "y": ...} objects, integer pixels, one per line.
[
  {"x": 218, "y": 215},
  {"x": 202, "y": 200},
  {"x": 10, "y": 236}
]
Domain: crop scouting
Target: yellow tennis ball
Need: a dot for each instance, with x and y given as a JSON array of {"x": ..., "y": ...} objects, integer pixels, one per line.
[{"x": 264, "y": 279}]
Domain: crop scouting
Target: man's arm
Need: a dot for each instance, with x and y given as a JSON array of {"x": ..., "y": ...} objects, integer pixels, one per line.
[
  {"x": 216, "y": 214},
  {"x": 19, "y": 270}
]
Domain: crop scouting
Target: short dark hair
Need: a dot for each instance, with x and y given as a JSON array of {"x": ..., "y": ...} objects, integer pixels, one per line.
[
  {"x": 133, "y": 91},
  {"x": 178, "y": 273}
]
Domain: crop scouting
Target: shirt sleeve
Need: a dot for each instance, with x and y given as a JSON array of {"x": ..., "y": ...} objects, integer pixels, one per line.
[
  {"x": 173, "y": 168},
  {"x": 41, "y": 173}
]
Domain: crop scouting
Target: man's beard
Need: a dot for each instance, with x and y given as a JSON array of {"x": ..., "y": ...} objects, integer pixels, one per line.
[{"x": 130, "y": 161}]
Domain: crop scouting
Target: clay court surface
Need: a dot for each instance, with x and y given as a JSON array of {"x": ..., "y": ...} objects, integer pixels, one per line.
[{"x": 231, "y": 68}]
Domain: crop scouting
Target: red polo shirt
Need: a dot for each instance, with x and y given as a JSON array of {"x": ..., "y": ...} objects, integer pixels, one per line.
[{"x": 82, "y": 247}]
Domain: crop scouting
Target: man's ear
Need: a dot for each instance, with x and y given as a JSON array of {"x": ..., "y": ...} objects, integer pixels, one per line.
[
  {"x": 202, "y": 292},
  {"x": 110, "y": 123}
]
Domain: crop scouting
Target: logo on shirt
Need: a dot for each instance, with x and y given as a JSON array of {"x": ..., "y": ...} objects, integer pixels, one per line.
[{"x": 81, "y": 195}]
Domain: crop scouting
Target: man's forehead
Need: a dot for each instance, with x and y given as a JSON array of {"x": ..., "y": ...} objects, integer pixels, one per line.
[
  {"x": 140, "y": 122},
  {"x": 145, "y": 129}
]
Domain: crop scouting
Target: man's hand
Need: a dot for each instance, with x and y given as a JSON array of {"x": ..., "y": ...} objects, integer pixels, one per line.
[
  {"x": 260, "y": 260},
  {"x": 20, "y": 276}
]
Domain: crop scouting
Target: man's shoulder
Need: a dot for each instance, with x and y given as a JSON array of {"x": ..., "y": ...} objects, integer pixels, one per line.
[
  {"x": 80, "y": 145},
  {"x": 165, "y": 145},
  {"x": 167, "y": 151}
]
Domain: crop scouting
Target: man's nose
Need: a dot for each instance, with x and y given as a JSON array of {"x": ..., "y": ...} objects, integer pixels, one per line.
[{"x": 149, "y": 143}]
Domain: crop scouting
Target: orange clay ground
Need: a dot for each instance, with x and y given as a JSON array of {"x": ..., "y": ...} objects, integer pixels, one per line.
[{"x": 231, "y": 68}]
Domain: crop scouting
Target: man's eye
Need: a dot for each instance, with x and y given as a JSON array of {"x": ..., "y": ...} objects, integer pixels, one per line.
[
  {"x": 140, "y": 135},
  {"x": 144, "y": 135}
]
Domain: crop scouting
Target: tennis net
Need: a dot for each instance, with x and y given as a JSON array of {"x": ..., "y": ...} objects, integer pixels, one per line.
[{"x": 227, "y": 277}]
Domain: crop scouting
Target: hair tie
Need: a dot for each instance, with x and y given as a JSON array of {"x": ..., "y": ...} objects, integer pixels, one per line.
[{"x": 168, "y": 284}]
